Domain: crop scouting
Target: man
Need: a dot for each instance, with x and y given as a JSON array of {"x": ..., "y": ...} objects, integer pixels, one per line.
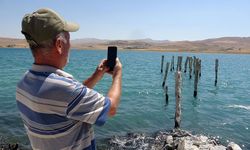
[{"x": 58, "y": 112}]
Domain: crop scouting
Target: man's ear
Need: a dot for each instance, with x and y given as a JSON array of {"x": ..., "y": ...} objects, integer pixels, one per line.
[{"x": 59, "y": 45}]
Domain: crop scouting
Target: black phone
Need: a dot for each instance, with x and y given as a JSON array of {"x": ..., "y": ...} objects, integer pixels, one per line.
[{"x": 112, "y": 54}]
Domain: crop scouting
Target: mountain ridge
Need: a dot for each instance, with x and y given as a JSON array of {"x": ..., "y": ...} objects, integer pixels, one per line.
[{"x": 220, "y": 45}]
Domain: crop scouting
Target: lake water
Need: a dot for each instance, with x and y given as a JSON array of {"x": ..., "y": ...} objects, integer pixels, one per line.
[{"x": 222, "y": 111}]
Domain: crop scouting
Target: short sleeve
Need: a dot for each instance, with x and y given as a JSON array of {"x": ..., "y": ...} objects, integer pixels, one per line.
[{"x": 88, "y": 106}]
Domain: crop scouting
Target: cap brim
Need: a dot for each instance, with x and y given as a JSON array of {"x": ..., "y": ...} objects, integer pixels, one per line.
[{"x": 71, "y": 27}]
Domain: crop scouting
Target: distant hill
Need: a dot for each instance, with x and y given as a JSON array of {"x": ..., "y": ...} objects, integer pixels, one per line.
[
  {"x": 11, "y": 42},
  {"x": 217, "y": 45}
]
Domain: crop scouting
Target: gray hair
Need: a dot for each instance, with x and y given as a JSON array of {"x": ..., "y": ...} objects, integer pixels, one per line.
[{"x": 47, "y": 45}]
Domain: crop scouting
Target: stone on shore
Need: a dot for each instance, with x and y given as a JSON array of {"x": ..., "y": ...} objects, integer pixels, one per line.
[
  {"x": 169, "y": 140},
  {"x": 233, "y": 146}
]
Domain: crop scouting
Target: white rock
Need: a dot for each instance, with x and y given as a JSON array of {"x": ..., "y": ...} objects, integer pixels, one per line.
[
  {"x": 185, "y": 145},
  {"x": 169, "y": 139},
  {"x": 217, "y": 147},
  {"x": 199, "y": 140},
  {"x": 194, "y": 147},
  {"x": 233, "y": 146}
]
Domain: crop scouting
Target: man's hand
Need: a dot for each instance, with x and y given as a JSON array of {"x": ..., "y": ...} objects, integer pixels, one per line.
[
  {"x": 101, "y": 69},
  {"x": 117, "y": 68}
]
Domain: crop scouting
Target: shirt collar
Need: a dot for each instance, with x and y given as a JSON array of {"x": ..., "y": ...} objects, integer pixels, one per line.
[{"x": 46, "y": 68}]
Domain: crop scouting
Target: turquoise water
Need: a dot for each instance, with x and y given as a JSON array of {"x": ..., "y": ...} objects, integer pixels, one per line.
[{"x": 222, "y": 111}]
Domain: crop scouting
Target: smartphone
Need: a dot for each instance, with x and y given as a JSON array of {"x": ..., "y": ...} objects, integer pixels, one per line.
[{"x": 112, "y": 54}]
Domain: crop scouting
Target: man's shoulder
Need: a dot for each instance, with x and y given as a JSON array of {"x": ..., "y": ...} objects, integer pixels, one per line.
[
  {"x": 63, "y": 82},
  {"x": 47, "y": 82}
]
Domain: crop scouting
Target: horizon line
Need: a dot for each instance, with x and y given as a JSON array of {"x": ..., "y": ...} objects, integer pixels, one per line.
[{"x": 140, "y": 39}]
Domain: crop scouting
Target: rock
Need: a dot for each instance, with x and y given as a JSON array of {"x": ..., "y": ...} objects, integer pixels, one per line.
[
  {"x": 185, "y": 144},
  {"x": 233, "y": 146},
  {"x": 169, "y": 139},
  {"x": 173, "y": 140},
  {"x": 194, "y": 147},
  {"x": 206, "y": 146},
  {"x": 199, "y": 140},
  {"x": 217, "y": 147}
]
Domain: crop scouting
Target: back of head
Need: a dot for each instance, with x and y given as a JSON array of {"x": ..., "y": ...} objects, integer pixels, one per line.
[{"x": 44, "y": 25}]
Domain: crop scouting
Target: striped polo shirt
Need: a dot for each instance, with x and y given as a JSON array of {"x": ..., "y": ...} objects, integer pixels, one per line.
[{"x": 58, "y": 111}]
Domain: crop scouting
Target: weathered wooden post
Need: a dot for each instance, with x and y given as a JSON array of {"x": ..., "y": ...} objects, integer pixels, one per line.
[
  {"x": 166, "y": 94},
  {"x": 194, "y": 63},
  {"x": 166, "y": 74},
  {"x": 190, "y": 67},
  {"x": 178, "y": 99},
  {"x": 216, "y": 71},
  {"x": 199, "y": 68},
  {"x": 196, "y": 76},
  {"x": 187, "y": 60},
  {"x": 179, "y": 62},
  {"x": 162, "y": 61},
  {"x": 172, "y": 64}
]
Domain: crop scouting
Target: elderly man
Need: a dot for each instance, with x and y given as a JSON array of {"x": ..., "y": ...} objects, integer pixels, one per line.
[{"x": 58, "y": 111}]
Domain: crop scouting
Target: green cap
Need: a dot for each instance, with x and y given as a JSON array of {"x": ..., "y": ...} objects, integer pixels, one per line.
[{"x": 45, "y": 24}]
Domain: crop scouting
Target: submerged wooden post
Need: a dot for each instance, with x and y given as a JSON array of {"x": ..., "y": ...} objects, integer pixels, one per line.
[
  {"x": 190, "y": 67},
  {"x": 186, "y": 62},
  {"x": 162, "y": 60},
  {"x": 166, "y": 95},
  {"x": 172, "y": 64},
  {"x": 194, "y": 63},
  {"x": 199, "y": 68},
  {"x": 196, "y": 76},
  {"x": 178, "y": 99},
  {"x": 166, "y": 74},
  {"x": 216, "y": 71},
  {"x": 179, "y": 62}
]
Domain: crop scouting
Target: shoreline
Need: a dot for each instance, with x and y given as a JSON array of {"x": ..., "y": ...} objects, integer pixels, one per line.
[
  {"x": 243, "y": 52},
  {"x": 175, "y": 139}
]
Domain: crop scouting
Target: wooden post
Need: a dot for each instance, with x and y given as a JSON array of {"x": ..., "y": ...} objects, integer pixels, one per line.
[
  {"x": 199, "y": 68},
  {"x": 187, "y": 60},
  {"x": 179, "y": 62},
  {"x": 196, "y": 76},
  {"x": 178, "y": 99},
  {"x": 166, "y": 74},
  {"x": 172, "y": 64},
  {"x": 162, "y": 61},
  {"x": 190, "y": 67},
  {"x": 194, "y": 63},
  {"x": 166, "y": 95},
  {"x": 216, "y": 71}
]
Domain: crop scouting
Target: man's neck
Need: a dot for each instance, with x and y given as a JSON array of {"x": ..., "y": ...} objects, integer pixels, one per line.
[{"x": 49, "y": 60}]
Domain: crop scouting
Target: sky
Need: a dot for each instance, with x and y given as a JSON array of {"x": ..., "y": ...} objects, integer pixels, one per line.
[{"x": 173, "y": 20}]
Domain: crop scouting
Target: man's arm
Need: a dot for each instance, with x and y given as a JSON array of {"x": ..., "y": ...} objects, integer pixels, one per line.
[{"x": 114, "y": 93}]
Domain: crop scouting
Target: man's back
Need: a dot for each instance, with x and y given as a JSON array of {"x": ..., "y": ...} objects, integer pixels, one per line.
[{"x": 58, "y": 112}]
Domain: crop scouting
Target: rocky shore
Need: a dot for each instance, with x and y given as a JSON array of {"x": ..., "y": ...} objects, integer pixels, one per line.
[
  {"x": 168, "y": 140},
  {"x": 4, "y": 145},
  {"x": 163, "y": 140}
]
